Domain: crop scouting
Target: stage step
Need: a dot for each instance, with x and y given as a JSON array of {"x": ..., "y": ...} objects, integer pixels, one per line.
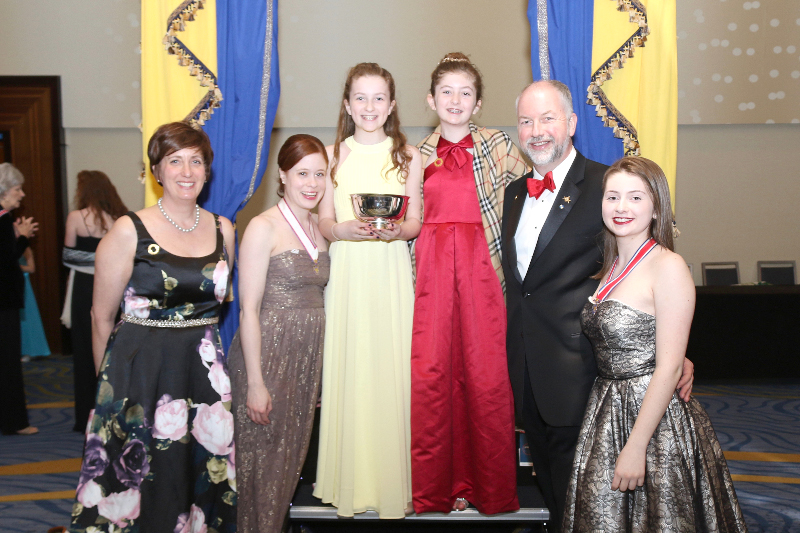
[{"x": 307, "y": 514}]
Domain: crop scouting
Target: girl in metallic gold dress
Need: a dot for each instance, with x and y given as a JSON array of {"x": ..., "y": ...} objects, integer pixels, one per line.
[{"x": 276, "y": 356}]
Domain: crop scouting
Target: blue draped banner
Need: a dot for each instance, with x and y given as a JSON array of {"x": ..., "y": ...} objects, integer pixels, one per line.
[
  {"x": 247, "y": 64},
  {"x": 561, "y": 49}
]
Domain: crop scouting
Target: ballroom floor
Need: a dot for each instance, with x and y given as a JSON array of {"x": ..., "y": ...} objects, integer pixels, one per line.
[{"x": 758, "y": 424}]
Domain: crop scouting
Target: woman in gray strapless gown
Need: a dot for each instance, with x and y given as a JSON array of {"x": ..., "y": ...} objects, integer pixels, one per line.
[
  {"x": 275, "y": 359},
  {"x": 645, "y": 460},
  {"x": 683, "y": 453},
  {"x": 269, "y": 457}
]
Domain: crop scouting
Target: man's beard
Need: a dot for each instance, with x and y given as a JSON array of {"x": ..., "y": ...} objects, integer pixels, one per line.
[{"x": 544, "y": 158}]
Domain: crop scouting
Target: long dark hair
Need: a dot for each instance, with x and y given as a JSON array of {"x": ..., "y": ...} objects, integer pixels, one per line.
[
  {"x": 346, "y": 127},
  {"x": 96, "y": 193},
  {"x": 658, "y": 189}
]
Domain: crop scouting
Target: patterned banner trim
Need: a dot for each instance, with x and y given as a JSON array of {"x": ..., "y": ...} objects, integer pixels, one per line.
[
  {"x": 610, "y": 115},
  {"x": 176, "y": 22}
]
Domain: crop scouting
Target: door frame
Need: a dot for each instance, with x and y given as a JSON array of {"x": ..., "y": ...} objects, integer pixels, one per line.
[{"x": 30, "y": 110}]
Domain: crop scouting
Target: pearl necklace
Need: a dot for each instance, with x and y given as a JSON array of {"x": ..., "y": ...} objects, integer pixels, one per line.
[{"x": 185, "y": 230}]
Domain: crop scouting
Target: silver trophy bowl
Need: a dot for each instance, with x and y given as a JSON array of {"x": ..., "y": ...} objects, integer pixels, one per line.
[{"x": 379, "y": 209}]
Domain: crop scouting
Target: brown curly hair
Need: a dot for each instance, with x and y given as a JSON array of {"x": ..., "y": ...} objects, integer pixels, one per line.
[
  {"x": 401, "y": 158},
  {"x": 96, "y": 193}
]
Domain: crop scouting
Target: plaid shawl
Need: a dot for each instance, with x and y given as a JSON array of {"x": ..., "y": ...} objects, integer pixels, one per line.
[{"x": 496, "y": 163}]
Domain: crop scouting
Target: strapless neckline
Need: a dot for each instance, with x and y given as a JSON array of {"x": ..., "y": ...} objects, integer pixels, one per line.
[{"x": 629, "y": 306}]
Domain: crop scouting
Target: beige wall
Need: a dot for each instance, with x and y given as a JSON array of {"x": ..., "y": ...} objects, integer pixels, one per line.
[
  {"x": 318, "y": 44},
  {"x": 93, "y": 46},
  {"x": 737, "y": 195},
  {"x": 115, "y": 151},
  {"x": 738, "y": 62},
  {"x": 320, "y": 41}
]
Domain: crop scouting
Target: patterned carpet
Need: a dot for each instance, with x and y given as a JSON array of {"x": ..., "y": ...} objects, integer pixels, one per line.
[
  {"x": 758, "y": 425},
  {"x": 39, "y": 473}
]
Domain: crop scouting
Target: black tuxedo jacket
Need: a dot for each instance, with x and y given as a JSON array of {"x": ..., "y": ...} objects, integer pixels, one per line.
[{"x": 544, "y": 308}]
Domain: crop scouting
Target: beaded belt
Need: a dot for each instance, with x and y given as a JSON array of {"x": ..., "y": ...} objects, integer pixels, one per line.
[{"x": 193, "y": 322}]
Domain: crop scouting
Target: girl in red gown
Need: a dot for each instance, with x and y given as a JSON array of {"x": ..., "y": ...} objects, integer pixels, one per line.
[{"x": 462, "y": 407}]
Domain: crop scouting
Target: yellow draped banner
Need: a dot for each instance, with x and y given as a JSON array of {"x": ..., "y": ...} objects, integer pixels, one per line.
[
  {"x": 635, "y": 77},
  {"x": 179, "y": 65}
]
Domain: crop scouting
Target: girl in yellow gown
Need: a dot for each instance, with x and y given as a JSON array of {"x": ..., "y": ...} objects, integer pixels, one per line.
[{"x": 364, "y": 428}]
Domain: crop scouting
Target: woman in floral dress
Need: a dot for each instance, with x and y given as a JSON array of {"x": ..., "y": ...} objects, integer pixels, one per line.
[{"x": 159, "y": 449}]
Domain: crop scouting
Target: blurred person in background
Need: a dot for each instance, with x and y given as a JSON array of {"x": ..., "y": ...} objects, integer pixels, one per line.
[
  {"x": 14, "y": 239},
  {"x": 97, "y": 206},
  {"x": 34, "y": 341}
]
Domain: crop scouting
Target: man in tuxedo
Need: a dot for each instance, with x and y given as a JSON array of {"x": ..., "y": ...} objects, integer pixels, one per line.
[{"x": 550, "y": 228}]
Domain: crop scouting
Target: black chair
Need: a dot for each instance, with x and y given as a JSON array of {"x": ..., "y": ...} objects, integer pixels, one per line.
[
  {"x": 776, "y": 272},
  {"x": 721, "y": 273}
]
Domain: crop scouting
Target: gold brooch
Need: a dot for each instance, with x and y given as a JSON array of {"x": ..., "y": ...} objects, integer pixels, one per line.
[
  {"x": 439, "y": 162},
  {"x": 566, "y": 199},
  {"x": 153, "y": 249}
]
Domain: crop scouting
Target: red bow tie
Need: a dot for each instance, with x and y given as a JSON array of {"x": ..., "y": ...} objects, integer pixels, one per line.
[
  {"x": 537, "y": 187},
  {"x": 454, "y": 154}
]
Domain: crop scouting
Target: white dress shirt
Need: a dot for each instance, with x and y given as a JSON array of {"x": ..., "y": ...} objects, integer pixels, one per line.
[{"x": 534, "y": 214}]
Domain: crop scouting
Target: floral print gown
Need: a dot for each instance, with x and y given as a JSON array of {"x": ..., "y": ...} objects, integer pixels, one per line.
[{"x": 159, "y": 453}]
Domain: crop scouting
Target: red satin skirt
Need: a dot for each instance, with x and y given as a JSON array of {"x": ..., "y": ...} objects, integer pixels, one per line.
[{"x": 462, "y": 407}]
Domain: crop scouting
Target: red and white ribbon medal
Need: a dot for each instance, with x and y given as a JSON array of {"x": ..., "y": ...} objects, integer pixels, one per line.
[
  {"x": 308, "y": 242},
  {"x": 610, "y": 284}
]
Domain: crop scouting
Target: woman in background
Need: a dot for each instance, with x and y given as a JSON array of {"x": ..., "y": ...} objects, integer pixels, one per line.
[
  {"x": 276, "y": 356},
  {"x": 34, "y": 341},
  {"x": 14, "y": 238},
  {"x": 97, "y": 206}
]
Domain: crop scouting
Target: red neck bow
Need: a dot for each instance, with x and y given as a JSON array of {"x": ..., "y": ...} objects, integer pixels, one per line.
[
  {"x": 537, "y": 187},
  {"x": 454, "y": 154}
]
